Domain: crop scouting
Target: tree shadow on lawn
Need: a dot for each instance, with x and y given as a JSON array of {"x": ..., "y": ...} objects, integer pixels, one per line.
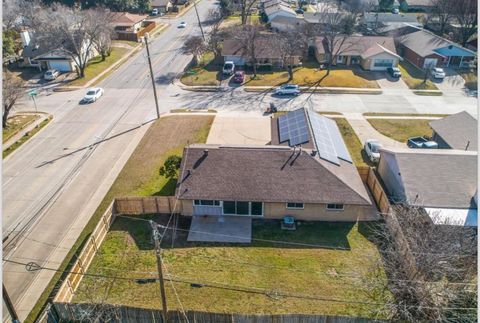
[{"x": 308, "y": 235}]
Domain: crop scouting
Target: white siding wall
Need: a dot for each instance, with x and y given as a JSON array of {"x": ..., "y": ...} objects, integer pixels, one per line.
[
  {"x": 390, "y": 174},
  {"x": 382, "y": 56}
]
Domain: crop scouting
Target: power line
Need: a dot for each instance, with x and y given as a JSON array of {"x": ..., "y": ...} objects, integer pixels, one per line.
[{"x": 246, "y": 289}]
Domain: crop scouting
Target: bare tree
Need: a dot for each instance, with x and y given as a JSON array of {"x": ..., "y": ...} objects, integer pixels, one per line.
[
  {"x": 442, "y": 10},
  {"x": 102, "y": 41},
  {"x": 245, "y": 8},
  {"x": 12, "y": 90},
  {"x": 216, "y": 35},
  {"x": 290, "y": 44},
  {"x": 194, "y": 45},
  {"x": 428, "y": 268},
  {"x": 249, "y": 38},
  {"x": 71, "y": 30},
  {"x": 465, "y": 15}
]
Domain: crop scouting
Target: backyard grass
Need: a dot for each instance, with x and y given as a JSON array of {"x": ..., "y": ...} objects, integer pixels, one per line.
[
  {"x": 413, "y": 77},
  {"x": 25, "y": 137},
  {"x": 140, "y": 176},
  {"x": 17, "y": 123},
  {"x": 354, "y": 145},
  {"x": 208, "y": 72},
  {"x": 97, "y": 66},
  {"x": 316, "y": 271},
  {"x": 402, "y": 129},
  {"x": 470, "y": 77}
]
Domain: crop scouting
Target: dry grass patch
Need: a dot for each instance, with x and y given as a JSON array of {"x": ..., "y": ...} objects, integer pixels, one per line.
[
  {"x": 17, "y": 123},
  {"x": 402, "y": 129},
  {"x": 355, "y": 147},
  {"x": 414, "y": 77}
]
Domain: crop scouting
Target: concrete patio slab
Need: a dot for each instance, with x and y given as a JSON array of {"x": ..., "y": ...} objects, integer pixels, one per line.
[
  {"x": 240, "y": 129},
  {"x": 236, "y": 229}
]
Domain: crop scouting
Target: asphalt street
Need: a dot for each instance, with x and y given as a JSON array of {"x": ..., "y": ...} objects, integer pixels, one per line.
[{"x": 54, "y": 182}]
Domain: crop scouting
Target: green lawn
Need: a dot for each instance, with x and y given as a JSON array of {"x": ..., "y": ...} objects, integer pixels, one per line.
[
  {"x": 26, "y": 137},
  {"x": 354, "y": 145},
  {"x": 413, "y": 77},
  {"x": 305, "y": 270},
  {"x": 140, "y": 176},
  {"x": 97, "y": 66},
  {"x": 470, "y": 77},
  {"x": 402, "y": 129},
  {"x": 17, "y": 123}
]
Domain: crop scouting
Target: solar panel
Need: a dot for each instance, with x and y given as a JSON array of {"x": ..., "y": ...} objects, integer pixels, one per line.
[
  {"x": 293, "y": 127},
  {"x": 338, "y": 142},
  {"x": 321, "y": 134}
]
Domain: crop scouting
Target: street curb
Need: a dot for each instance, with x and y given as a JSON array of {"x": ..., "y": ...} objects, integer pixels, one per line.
[
  {"x": 24, "y": 126},
  {"x": 321, "y": 90}
]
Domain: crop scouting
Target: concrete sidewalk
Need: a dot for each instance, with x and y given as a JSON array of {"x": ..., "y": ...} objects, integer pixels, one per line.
[
  {"x": 23, "y": 131},
  {"x": 364, "y": 131}
]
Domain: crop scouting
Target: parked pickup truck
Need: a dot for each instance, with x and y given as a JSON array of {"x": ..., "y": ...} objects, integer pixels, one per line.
[{"x": 421, "y": 142}]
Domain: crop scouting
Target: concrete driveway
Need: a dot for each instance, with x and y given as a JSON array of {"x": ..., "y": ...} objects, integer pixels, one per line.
[
  {"x": 452, "y": 82},
  {"x": 386, "y": 82},
  {"x": 236, "y": 128}
]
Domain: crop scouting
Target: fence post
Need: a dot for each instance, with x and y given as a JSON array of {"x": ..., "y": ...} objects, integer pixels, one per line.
[
  {"x": 169, "y": 205},
  {"x": 156, "y": 204}
]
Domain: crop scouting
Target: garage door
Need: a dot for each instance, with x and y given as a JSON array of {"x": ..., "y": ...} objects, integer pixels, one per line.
[
  {"x": 382, "y": 64},
  {"x": 62, "y": 66},
  {"x": 430, "y": 62}
]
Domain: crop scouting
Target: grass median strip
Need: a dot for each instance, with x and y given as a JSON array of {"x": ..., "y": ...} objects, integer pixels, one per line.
[
  {"x": 26, "y": 137},
  {"x": 402, "y": 129},
  {"x": 139, "y": 176},
  {"x": 17, "y": 123},
  {"x": 352, "y": 142}
]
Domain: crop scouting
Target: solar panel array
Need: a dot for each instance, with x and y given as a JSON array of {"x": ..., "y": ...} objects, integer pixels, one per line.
[
  {"x": 328, "y": 139},
  {"x": 293, "y": 127}
]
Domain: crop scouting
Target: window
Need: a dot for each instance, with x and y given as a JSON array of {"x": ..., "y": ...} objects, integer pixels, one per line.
[
  {"x": 256, "y": 208},
  {"x": 294, "y": 205},
  {"x": 206, "y": 202},
  {"x": 243, "y": 208},
  {"x": 339, "y": 59},
  {"x": 228, "y": 207},
  {"x": 335, "y": 207}
]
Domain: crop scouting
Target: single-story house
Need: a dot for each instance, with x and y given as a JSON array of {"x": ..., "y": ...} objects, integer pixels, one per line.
[
  {"x": 424, "y": 49},
  {"x": 279, "y": 10},
  {"x": 128, "y": 22},
  {"x": 306, "y": 173},
  {"x": 267, "y": 53},
  {"x": 387, "y": 23},
  {"x": 457, "y": 131},
  {"x": 442, "y": 181},
  {"x": 417, "y": 5},
  {"x": 375, "y": 53},
  {"x": 281, "y": 23},
  {"x": 161, "y": 5},
  {"x": 43, "y": 58},
  {"x": 318, "y": 17}
]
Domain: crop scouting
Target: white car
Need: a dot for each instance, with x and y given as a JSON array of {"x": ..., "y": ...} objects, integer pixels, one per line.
[
  {"x": 183, "y": 24},
  {"x": 228, "y": 68},
  {"x": 51, "y": 75},
  {"x": 287, "y": 89},
  {"x": 154, "y": 12},
  {"x": 372, "y": 149},
  {"x": 437, "y": 73},
  {"x": 92, "y": 95}
]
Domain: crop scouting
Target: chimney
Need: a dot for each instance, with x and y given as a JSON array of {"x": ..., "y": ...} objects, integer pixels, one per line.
[
  {"x": 25, "y": 35},
  {"x": 314, "y": 152}
]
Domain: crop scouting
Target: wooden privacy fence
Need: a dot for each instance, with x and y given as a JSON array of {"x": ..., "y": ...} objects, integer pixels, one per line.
[
  {"x": 80, "y": 266},
  {"x": 367, "y": 175},
  {"x": 132, "y": 36},
  {"x": 68, "y": 312},
  {"x": 147, "y": 205}
]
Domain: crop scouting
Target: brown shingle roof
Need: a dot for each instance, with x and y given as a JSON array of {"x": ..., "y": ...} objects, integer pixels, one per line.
[
  {"x": 265, "y": 47},
  {"x": 127, "y": 19},
  {"x": 267, "y": 174},
  {"x": 458, "y": 130},
  {"x": 365, "y": 46}
]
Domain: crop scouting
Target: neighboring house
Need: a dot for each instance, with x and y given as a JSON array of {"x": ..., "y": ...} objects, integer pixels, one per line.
[
  {"x": 387, "y": 23},
  {"x": 43, "y": 58},
  {"x": 267, "y": 53},
  {"x": 457, "y": 131},
  {"x": 375, "y": 53},
  {"x": 313, "y": 181},
  {"x": 425, "y": 49},
  {"x": 318, "y": 17},
  {"x": 442, "y": 181},
  {"x": 279, "y": 10},
  {"x": 161, "y": 5},
  {"x": 281, "y": 23},
  {"x": 130, "y": 26},
  {"x": 416, "y": 5}
]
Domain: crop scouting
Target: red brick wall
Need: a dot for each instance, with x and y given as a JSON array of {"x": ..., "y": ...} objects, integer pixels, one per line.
[{"x": 416, "y": 59}]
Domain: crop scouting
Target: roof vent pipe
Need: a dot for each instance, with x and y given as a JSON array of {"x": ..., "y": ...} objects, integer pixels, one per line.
[{"x": 205, "y": 152}]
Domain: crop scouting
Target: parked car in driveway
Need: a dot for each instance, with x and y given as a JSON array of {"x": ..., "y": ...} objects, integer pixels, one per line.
[
  {"x": 51, "y": 75},
  {"x": 372, "y": 149},
  {"x": 239, "y": 77},
  {"x": 228, "y": 68},
  {"x": 154, "y": 12},
  {"x": 394, "y": 72},
  {"x": 287, "y": 89},
  {"x": 421, "y": 142},
  {"x": 437, "y": 73},
  {"x": 183, "y": 24},
  {"x": 92, "y": 95},
  {"x": 299, "y": 11}
]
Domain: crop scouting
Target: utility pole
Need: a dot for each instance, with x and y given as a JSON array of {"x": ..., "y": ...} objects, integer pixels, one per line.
[
  {"x": 198, "y": 19},
  {"x": 9, "y": 304},
  {"x": 158, "y": 253},
  {"x": 151, "y": 75}
]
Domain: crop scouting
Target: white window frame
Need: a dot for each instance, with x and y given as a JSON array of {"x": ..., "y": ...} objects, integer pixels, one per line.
[
  {"x": 294, "y": 208},
  {"x": 340, "y": 59},
  {"x": 334, "y": 209},
  {"x": 200, "y": 203}
]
